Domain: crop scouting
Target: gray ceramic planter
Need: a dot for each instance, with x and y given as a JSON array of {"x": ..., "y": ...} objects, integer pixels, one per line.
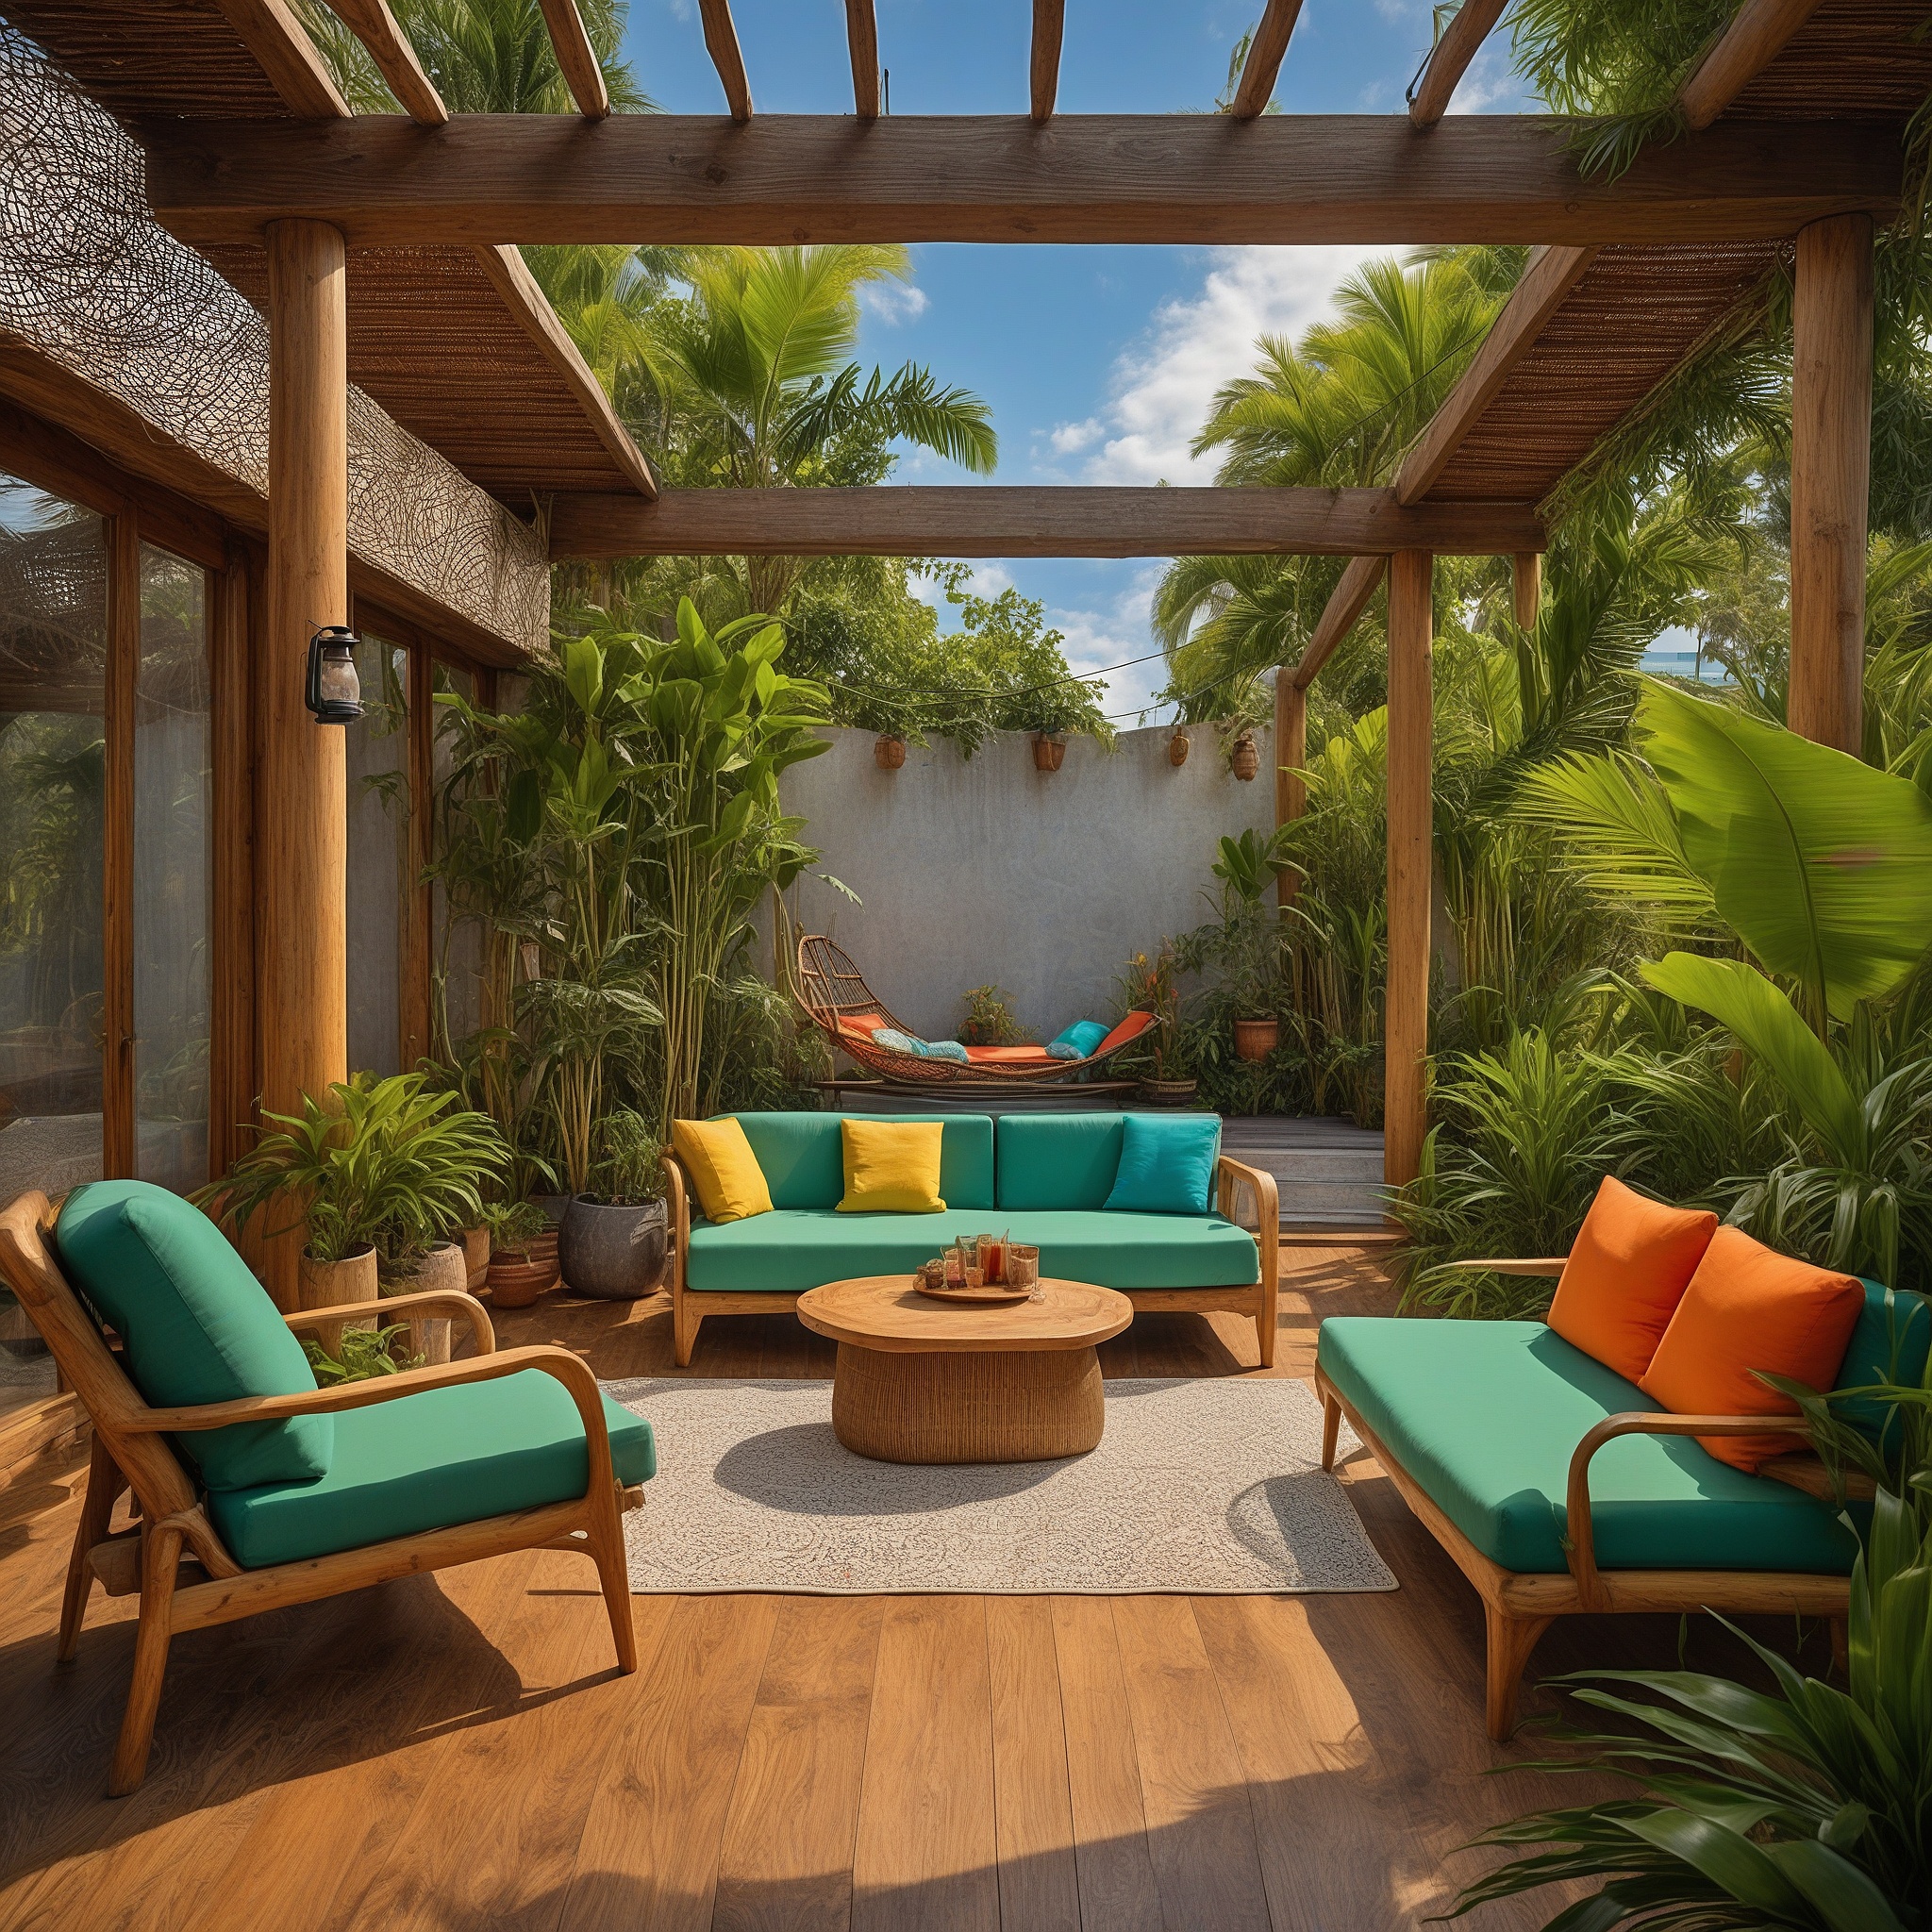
[{"x": 615, "y": 1254}]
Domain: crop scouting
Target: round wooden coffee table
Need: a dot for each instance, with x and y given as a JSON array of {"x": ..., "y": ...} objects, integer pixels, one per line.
[{"x": 927, "y": 1381}]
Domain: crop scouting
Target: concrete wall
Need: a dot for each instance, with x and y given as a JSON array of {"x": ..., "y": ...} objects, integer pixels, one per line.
[{"x": 984, "y": 870}]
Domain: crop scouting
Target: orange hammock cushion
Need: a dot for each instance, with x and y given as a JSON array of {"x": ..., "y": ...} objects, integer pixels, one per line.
[{"x": 1021, "y": 1055}]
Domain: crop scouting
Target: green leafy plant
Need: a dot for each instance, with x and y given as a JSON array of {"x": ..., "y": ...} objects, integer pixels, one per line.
[
  {"x": 513, "y": 1227},
  {"x": 629, "y": 1173},
  {"x": 990, "y": 1019},
  {"x": 386, "y": 1161},
  {"x": 362, "y": 1354}
]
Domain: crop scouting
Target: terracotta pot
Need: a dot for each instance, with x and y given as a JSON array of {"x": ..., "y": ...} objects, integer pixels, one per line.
[
  {"x": 888, "y": 752},
  {"x": 476, "y": 1243},
  {"x": 442, "y": 1266},
  {"x": 612, "y": 1253},
  {"x": 1245, "y": 760},
  {"x": 329, "y": 1284},
  {"x": 1255, "y": 1040},
  {"x": 517, "y": 1283},
  {"x": 1048, "y": 750},
  {"x": 1177, "y": 749},
  {"x": 1170, "y": 1092}
]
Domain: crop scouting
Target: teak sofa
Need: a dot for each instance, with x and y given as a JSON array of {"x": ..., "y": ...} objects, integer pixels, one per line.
[
  {"x": 1045, "y": 1178},
  {"x": 1557, "y": 1487},
  {"x": 510, "y": 1449}
]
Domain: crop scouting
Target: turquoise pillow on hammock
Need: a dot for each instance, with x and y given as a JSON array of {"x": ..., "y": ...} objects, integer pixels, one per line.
[
  {"x": 894, "y": 1041},
  {"x": 1078, "y": 1040}
]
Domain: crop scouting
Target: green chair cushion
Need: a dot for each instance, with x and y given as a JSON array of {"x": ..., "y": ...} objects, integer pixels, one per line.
[
  {"x": 803, "y": 1156},
  {"x": 196, "y": 1325},
  {"x": 1485, "y": 1416},
  {"x": 427, "y": 1461},
  {"x": 792, "y": 1249},
  {"x": 1057, "y": 1159}
]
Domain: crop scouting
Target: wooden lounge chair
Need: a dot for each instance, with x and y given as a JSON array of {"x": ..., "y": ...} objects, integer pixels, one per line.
[
  {"x": 177, "y": 1561},
  {"x": 848, "y": 1012}
]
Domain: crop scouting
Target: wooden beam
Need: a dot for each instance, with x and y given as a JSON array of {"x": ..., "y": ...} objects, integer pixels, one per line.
[
  {"x": 1831, "y": 468},
  {"x": 1450, "y": 57},
  {"x": 577, "y": 59},
  {"x": 1756, "y": 36},
  {"x": 862, "y": 38},
  {"x": 281, "y": 45},
  {"x": 1183, "y": 178},
  {"x": 1546, "y": 283},
  {"x": 1526, "y": 587},
  {"x": 524, "y": 298},
  {"x": 1043, "y": 70},
  {"x": 302, "y": 849},
  {"x": 721, "y": 43},
  {"x": 1412, "y": 846},
  {"x": 1265, "y": 52},
  {"x": 375, "y": 26},
  {"x": 997, "y": 520},
  {"x": 1346, "y": 603}
]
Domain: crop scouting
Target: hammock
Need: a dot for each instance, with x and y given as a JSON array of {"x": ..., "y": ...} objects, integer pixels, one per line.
[{"x": 836, "y": 997}]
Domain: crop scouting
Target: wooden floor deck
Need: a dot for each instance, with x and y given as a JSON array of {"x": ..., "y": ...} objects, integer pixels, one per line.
[{"x": 457, "y": 1752}]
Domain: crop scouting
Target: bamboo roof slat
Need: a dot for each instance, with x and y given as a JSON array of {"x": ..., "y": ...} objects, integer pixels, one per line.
[
  {"x": 376, "y": 27},
  {"x": 862, "y": 43},
  {"x": 1043, "y": 59},
  {"x": 721, "y": 43},
  {"x": 1758, "y": 32},
  {"x": 1449, "y": 59},
  {"x": 169, "y": 56},
  {"x": 1852, "y": 59},
  {"x": 1635, "y": 314},
  {"x": 577, "y": 58},
  {"x": 1266, "y": 52}
]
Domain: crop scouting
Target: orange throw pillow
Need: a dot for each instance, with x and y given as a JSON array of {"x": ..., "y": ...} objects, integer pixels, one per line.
[
  {"x": 1628, "y": 1271},
  {"x": 1750, "y": 1308}
]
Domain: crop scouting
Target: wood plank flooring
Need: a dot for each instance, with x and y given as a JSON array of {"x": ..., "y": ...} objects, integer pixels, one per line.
[{"x": 457, "y": 1752}]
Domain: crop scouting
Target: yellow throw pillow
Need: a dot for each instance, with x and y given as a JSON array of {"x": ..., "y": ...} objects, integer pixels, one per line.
[
  {"x": 891, "y": 1167},
  {"x": 730, "y": 1183}
]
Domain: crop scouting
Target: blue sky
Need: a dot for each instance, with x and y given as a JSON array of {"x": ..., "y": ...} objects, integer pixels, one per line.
[{"x": 1098, "y": 362}]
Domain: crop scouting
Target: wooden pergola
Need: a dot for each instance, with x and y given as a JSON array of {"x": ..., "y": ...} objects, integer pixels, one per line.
[{"x": 1792, "y": 152}]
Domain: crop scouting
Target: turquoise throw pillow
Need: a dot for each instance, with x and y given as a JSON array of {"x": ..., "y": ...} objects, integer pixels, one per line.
[
  {"x": 1167, "y": 1163},
  {"x": 196, "y": 1325},
  {"x": 1078, "y": 1040}
]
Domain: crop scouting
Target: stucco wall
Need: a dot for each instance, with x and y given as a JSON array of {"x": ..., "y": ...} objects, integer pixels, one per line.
[{"x": 982, "y": 870}]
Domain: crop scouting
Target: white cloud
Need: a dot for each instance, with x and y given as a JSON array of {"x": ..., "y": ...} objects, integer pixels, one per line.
[
  {"x": 1070, "y": 439},
  {"x": 1119, "y": 631},
  {"x": 1491, "y": 83},
  {"x": 1163, "y": 386},
  {"x": 894, "y": 302}
]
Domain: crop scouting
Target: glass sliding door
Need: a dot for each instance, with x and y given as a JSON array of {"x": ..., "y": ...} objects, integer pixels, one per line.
[
  {"x": 52, "y": 705},
  {"x": 174, "y": 782}
]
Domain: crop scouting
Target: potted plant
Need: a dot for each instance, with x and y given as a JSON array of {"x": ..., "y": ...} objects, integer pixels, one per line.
[
  {"x": 612, "y": 1243},
  {"x": 1150, "y": 985},
  {"x": 1250, "y": 941},
  {"x": 522, "y": 1253},
  {"x": 990, "y": 1019}
]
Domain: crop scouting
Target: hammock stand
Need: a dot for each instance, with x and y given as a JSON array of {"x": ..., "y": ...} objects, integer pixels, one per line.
[{"x": 833, "y": 995}]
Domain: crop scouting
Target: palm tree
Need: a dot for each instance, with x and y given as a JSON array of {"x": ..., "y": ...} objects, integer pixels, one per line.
[
  {"x": 486, "y": 56},
  {"x": 757, "y": 389}
]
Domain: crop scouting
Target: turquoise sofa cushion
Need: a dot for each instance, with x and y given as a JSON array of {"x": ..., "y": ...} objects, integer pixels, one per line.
[
  {"x": 1485, "y": 1416},
  {"x": 1057, "y": 1159},
  {"x": 1887, "y": 1344},
  {"x": 196, "y": 1325},
  {"x": 1167, "y": 1164},
  {"x": 802, "y": 1158},
  {"x": 797, "y": 1248},
  {"x": 427, "y": 1461}
]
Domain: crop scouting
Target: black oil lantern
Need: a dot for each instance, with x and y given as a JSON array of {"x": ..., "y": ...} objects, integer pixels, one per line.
[{"x": 335, "y": 692}]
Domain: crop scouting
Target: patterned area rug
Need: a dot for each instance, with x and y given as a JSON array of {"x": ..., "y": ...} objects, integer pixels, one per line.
[{"x": 1210, "y": 1488}]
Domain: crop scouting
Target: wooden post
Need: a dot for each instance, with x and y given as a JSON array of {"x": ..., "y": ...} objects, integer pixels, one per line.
[
  {"x": 234, "y": 598},
  {"x": 415, "y": 1006},
  {"x": 1527, "y": 585},
  {"x": 117, "y": 847},
  {"x": 1406, "y": 1015},
  {"x": 302, "y": 851},
  {"x": 1831, "y": 472},
  {"x": 1291, "y": 755}
]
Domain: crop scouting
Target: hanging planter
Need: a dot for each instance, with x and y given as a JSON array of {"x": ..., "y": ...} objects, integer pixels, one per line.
[
  {"x": 1049, "y": 749},
  {"x": 1244, "y": 760},
  {"x": 1177, "y": 748},
  {"x": 887, "y": 751},
  {"x": 1255, "y": 1040}
]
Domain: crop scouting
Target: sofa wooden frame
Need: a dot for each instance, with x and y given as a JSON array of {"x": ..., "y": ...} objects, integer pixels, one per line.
[
  {"x": 1258, "y": 1300},
  {"x": 172, "y": 1527},
  {"x": 1519, "y": 1607}
]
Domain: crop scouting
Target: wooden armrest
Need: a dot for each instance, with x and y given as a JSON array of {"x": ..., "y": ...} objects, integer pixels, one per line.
[
  {"x": 1582, "y": 1537},
  {"x": 449, "y": 1302},
  {"x": 568, "y": 1369},
  {"x": 1231, "y": 1174},
  {"x": 1551, "y": 1266}
]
